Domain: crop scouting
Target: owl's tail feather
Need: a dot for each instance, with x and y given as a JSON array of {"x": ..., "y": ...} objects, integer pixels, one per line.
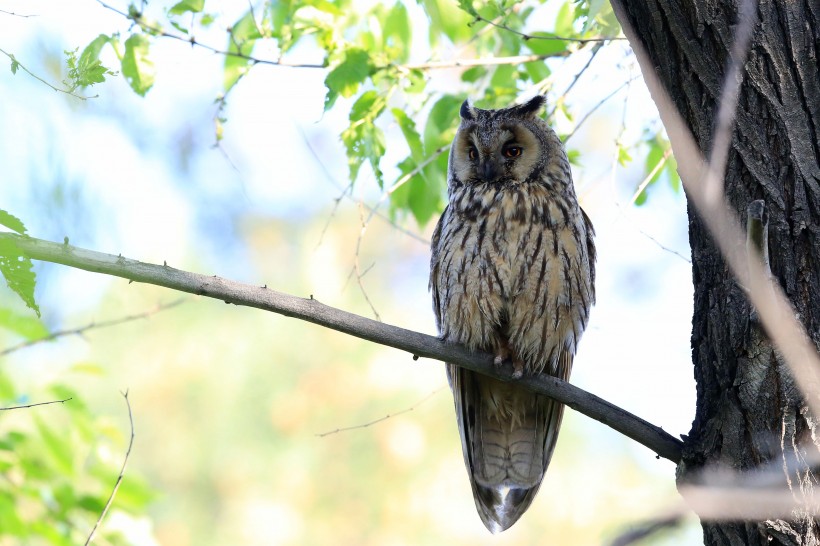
[{"x": 508, "y": 435}]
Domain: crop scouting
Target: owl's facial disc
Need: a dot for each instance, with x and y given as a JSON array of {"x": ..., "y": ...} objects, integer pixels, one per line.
[{"x": 507, "y": 154}]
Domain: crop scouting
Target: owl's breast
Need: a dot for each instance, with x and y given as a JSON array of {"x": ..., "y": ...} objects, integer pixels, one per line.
[{"x": 512, "y": 265}]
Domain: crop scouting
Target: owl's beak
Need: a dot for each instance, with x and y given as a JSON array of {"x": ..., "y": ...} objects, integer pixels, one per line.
[{"x": 488, "y": 170}]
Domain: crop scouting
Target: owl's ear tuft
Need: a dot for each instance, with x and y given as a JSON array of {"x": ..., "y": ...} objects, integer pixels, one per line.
[
  {"x": 467, "y": 112},
  {"x": 532, "y": 107}
]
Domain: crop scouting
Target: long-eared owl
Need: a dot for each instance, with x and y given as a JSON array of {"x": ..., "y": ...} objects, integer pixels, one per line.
[{"x": 512, "y": 273}]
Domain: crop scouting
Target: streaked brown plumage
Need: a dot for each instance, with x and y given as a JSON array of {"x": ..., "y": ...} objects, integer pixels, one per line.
[{"x": 512, "y": 273}]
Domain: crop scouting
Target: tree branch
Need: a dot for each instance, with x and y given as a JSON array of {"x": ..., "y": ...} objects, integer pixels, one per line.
[
  {"x": 63, "y": 401},
  {"x": 90, "y": 326},
  {"x": 311, "y": 310}
]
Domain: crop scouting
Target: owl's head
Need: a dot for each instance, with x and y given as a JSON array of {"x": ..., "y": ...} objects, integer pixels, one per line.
[{"x": 510, "y": 145}]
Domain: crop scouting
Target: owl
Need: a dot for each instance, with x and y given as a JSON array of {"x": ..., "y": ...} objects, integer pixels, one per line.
[{"x": 512, "y": 273}]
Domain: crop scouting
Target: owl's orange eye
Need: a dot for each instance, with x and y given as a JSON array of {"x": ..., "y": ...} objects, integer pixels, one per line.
[
  {"x": 512, "y": 151},
  {"x": 473, "y": 153}
]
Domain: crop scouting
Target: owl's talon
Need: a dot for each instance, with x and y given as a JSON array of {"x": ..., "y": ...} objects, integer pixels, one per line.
[
  {"x": 517, "y": 374},
  {"x": 518, "y": 368},
  {"x": 502, "y": 354}
]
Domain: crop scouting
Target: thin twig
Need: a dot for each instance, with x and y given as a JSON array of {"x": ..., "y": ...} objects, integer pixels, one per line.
[
  {"x": 598, "y": 105},
  {"x": 648, "y": 529},
  {"x": 366, "y": 221},
  {"x": 655, "y": 170},
  {"x": 17, "y": 64},
  {"x": 18, "y": 14},
  {"x": 595, "y": 49},
  {"x": 336, "y": 201},
  {"x": 487, "y": 61},
  {"x": 356, "y": 269},
  {"x": 37, "y": 404},
  {"x": 191, "y": 40},
  {"x": 92, "y": 326},
  {"x": 329, "y": 177},
  {"x": 159, "y": 31},
  {"x": 380, "y": 419},
  {"x": 120, "y": 477},
  {"x": 548, "y": 37}
]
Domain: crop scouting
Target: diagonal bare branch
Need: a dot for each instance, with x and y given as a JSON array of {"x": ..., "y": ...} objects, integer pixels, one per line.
[
  {"x": 311, "y": 310},
  {"x": 37, "y": 404},
  {"x": 91, "y": 326}
]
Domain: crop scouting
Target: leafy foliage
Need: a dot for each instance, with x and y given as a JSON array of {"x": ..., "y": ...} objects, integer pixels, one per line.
[
  {"x": 136, "y": 64},
  {"x": 56, "y": 479},
  {"x": 87, "y": 70},
  {"x": 367, "y": 56},
  {"x": 15, "y": 266}
]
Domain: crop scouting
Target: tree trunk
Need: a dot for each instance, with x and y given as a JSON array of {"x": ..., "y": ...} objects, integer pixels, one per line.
[{"x": 748, "y": 409}]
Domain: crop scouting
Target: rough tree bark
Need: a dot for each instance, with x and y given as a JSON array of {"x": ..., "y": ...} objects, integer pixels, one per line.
[{"x": 748, "y": 410}]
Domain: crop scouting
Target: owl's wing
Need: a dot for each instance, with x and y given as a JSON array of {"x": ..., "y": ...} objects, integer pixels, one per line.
[
  {"x": 435, "y": 260},
  {"x": 506, "y": 459},
  {"x": 591, "y": 252}
]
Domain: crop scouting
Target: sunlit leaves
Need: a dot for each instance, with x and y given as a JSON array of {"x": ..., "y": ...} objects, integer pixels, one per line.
[
  {"x": 57, "y": 480},
  {"x": 15, "y": 266},
  {"x": 344, "y": 79},
  {"x": 137, "y": 67},
  {"x": 659, "y": 162},
  {"x": 184, "y": 6},
  {"x": 448, "y": 19},
  {"x": 87, "y": 69},
  {"x": 243, "y": 36},
  {"x": 397, "y": 33}
]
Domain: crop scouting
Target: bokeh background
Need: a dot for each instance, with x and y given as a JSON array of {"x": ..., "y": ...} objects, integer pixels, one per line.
[{"x": 229, "y": 403}]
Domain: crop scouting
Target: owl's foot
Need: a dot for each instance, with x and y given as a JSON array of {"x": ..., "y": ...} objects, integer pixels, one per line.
[
  {"x": 518, "y": 368},
  {"x": 502, "y": 354}
]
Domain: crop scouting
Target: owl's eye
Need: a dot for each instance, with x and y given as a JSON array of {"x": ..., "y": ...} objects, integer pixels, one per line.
[
  {"x": 472, "y": 152},
  {"x": 512, "y": 151}
]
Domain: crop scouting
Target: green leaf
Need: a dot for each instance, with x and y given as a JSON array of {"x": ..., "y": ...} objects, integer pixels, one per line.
[
  {"x": 565, "y": 20},
  {"x": 194, "y": 6},
  {"x": 441, "y": 123},
  {"x": 14, "y": 65},
  {"x": 87, "y": 69},
  {"x": 396, "y": 32},
  {"x": 12, "y": 222},
  {"x": 448, "y": 18},
  {"x": 623, "y": 156},
  {"x": 241, "y": 42},
  {"x": 17, "y": 270},
  {"x": 179, "y": 27},
  {"x": 245, "y": 29},
  {"x": 538, "y": 71},
  {"x": 369, "y": 104},
  {"x": 137, "y": 68},
  {"x": 364, "y": 142},
  {"x": 346, "y": 77},
  {"x": 423, "y": 200},
  {"x": 467, "y": 6},
  {"x": 547, "y": 45},
  {"x": 411, "y": 135},
  {"x": 57, "y": 447},
  {"x": 473, "y": 74},
  {"x": 28, "y": 327},
  {"x": 10, "y": 521}
]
